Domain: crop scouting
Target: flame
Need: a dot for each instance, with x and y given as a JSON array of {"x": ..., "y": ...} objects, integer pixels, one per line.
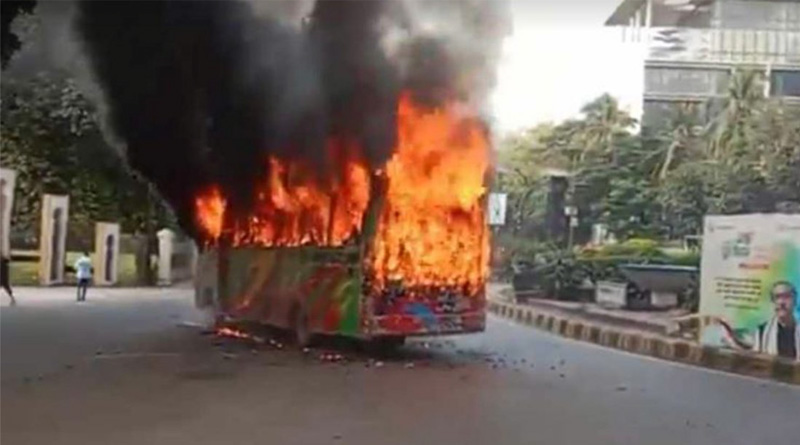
[
  {"x": 235, "y": 333},
  {"x": 431, "y": 230},
  {"x": 294, "y": 206},
  {"x": 210, "y": 208}
]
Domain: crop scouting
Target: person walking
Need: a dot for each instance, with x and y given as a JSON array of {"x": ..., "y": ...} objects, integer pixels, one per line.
[
  {"x": 83, "y": 272},
  {"x": 5, "y": 278}
]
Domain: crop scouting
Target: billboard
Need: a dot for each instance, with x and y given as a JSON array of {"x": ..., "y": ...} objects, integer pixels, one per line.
[{"x": 750, "y": 276}]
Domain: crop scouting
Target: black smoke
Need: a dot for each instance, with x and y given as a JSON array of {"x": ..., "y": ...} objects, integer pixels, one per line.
[{"x": 201, "y": 92}]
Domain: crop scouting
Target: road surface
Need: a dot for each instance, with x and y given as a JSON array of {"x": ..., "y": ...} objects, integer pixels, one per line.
[{"x": 129, "y": 367}]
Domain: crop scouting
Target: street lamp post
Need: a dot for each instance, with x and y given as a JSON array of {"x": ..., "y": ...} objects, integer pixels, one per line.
[{"x": 572, "y": 216}]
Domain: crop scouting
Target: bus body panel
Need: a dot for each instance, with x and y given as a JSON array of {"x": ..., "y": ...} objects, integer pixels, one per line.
[{"x": 265, "y": 285}]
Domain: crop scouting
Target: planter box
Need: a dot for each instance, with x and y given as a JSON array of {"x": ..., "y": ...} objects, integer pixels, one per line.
[{"x": 611, "y": 294}]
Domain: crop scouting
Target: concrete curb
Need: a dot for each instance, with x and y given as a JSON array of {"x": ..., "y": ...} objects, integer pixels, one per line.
[{"x": 642, "y": 343}]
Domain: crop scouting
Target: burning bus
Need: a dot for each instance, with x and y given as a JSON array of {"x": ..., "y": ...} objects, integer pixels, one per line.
[
  {"x": 330, "y": 158},
  {"x": 375, "y": 254}
]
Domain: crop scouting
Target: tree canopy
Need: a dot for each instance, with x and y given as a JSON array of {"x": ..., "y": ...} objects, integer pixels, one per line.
[
  {"x": 661, "y": 182},
  {"x": 52, "y": 138}
]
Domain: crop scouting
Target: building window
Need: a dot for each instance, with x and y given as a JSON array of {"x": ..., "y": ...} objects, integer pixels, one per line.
[
  {"x": 785, "y": 83},
  {"x": 750, "y": 14},
  {"x": 658, "y": 113},
  {"x": 686, "y": 81}
]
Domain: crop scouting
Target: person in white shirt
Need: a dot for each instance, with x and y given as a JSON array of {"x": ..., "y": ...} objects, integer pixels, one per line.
[
  {"x": 780, "y": 335},
  {"x": 83, "y": 272}
]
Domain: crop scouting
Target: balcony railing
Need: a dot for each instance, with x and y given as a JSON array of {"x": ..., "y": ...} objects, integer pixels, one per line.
[{"x": 723, "y": 45}]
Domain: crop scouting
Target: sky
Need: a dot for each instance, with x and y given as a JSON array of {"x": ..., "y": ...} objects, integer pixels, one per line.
[{"x": 559, "y": 57}]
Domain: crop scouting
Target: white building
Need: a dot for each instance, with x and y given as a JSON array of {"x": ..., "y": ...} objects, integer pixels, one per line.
[{"x": 694, "y": 45}]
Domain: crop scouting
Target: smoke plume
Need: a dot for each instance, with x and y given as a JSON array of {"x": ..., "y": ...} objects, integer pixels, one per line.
[{"x": 202, "y": 92}]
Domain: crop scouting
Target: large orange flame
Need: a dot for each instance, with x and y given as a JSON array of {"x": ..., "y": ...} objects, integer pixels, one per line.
[
  {"x": 294, "y": 206},
  {"x": 431, "y": 229}
]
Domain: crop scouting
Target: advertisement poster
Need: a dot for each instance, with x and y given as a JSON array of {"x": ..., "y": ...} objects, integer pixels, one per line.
[
  {"x": 750, "y": 276},
  {"x": 497, "y": 209}
]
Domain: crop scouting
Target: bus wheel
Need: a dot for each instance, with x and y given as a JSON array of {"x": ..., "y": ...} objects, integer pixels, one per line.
[
  {"x": 382, "y": 345},
  {"x": 300, "y": 328}
]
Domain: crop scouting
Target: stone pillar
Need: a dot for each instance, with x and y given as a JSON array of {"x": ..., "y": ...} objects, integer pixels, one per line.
[
  {"x": 106, "y": 253},
  {"x": 53, "y": 239},
  {"x": 166, "y": 240},
  {"x": 8, "y": 181}
]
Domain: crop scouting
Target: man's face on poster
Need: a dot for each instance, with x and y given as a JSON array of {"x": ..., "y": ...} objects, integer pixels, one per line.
[{"x": 784, "y": 297}]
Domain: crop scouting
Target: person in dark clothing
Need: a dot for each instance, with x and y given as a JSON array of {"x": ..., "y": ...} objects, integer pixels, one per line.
[
  {"x": 5, "y": 278},
  {"x": 781, "y": 334}
]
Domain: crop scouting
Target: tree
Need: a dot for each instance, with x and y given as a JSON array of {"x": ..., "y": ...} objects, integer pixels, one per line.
[
  {"x": 604, "y": 122},
  {"x": 51, "y": 137},
  {"x": 590, "y": 149},
  {"x": 663, "y": 182},
  {"x": 523, "y": 158},
  {"x": 9, "y": 41},
  {"x": 691, "y": 191},
  {"x": 680, "y": 139},
  {"x": 775, "y": 158},
  {"x": 732, "y": 128}
]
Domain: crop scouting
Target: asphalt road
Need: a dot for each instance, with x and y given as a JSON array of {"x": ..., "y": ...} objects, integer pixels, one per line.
[{"x": 129, "y": 367}]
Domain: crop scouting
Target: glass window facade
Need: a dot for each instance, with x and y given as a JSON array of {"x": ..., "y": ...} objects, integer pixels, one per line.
[
  {"x": 686, "y": 81},
  {"x": 785, "y": 83},
  {"x": 755, "y": 14},
  {"x": 657, "y": 113}
]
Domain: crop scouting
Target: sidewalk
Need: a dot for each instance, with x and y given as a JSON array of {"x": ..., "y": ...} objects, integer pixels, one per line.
[
  {"x": 656, "y": 322},
  {"x": 638, "y": 334}
]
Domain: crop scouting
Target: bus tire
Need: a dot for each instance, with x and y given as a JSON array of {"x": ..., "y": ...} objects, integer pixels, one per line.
[{"x": 386, "y": 344}]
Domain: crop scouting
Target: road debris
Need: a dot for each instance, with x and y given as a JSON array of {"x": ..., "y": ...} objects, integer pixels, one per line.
[
  {"x": 330, "y": 357},
  {"x": 190, "y": 324},
  {"x": 242, "y": 335}
]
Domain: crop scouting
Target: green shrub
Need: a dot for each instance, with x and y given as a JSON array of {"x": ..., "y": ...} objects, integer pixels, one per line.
[
  {"x": 631, "y": 248},
  {"x": 683, "y": 258}
]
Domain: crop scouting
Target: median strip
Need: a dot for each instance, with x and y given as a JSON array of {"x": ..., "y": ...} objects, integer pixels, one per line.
[{"x": 649, "y": 344}]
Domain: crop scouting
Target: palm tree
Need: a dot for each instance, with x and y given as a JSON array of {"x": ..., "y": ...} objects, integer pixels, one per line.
[
  {"x": 679, "y": 137},
  {"x": 732, "y": 127},
  {"x": 604, "y": 122}
]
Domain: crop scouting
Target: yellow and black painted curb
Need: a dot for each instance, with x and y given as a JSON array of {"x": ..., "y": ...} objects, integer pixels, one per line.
[{"x": 643, "y": 343}]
